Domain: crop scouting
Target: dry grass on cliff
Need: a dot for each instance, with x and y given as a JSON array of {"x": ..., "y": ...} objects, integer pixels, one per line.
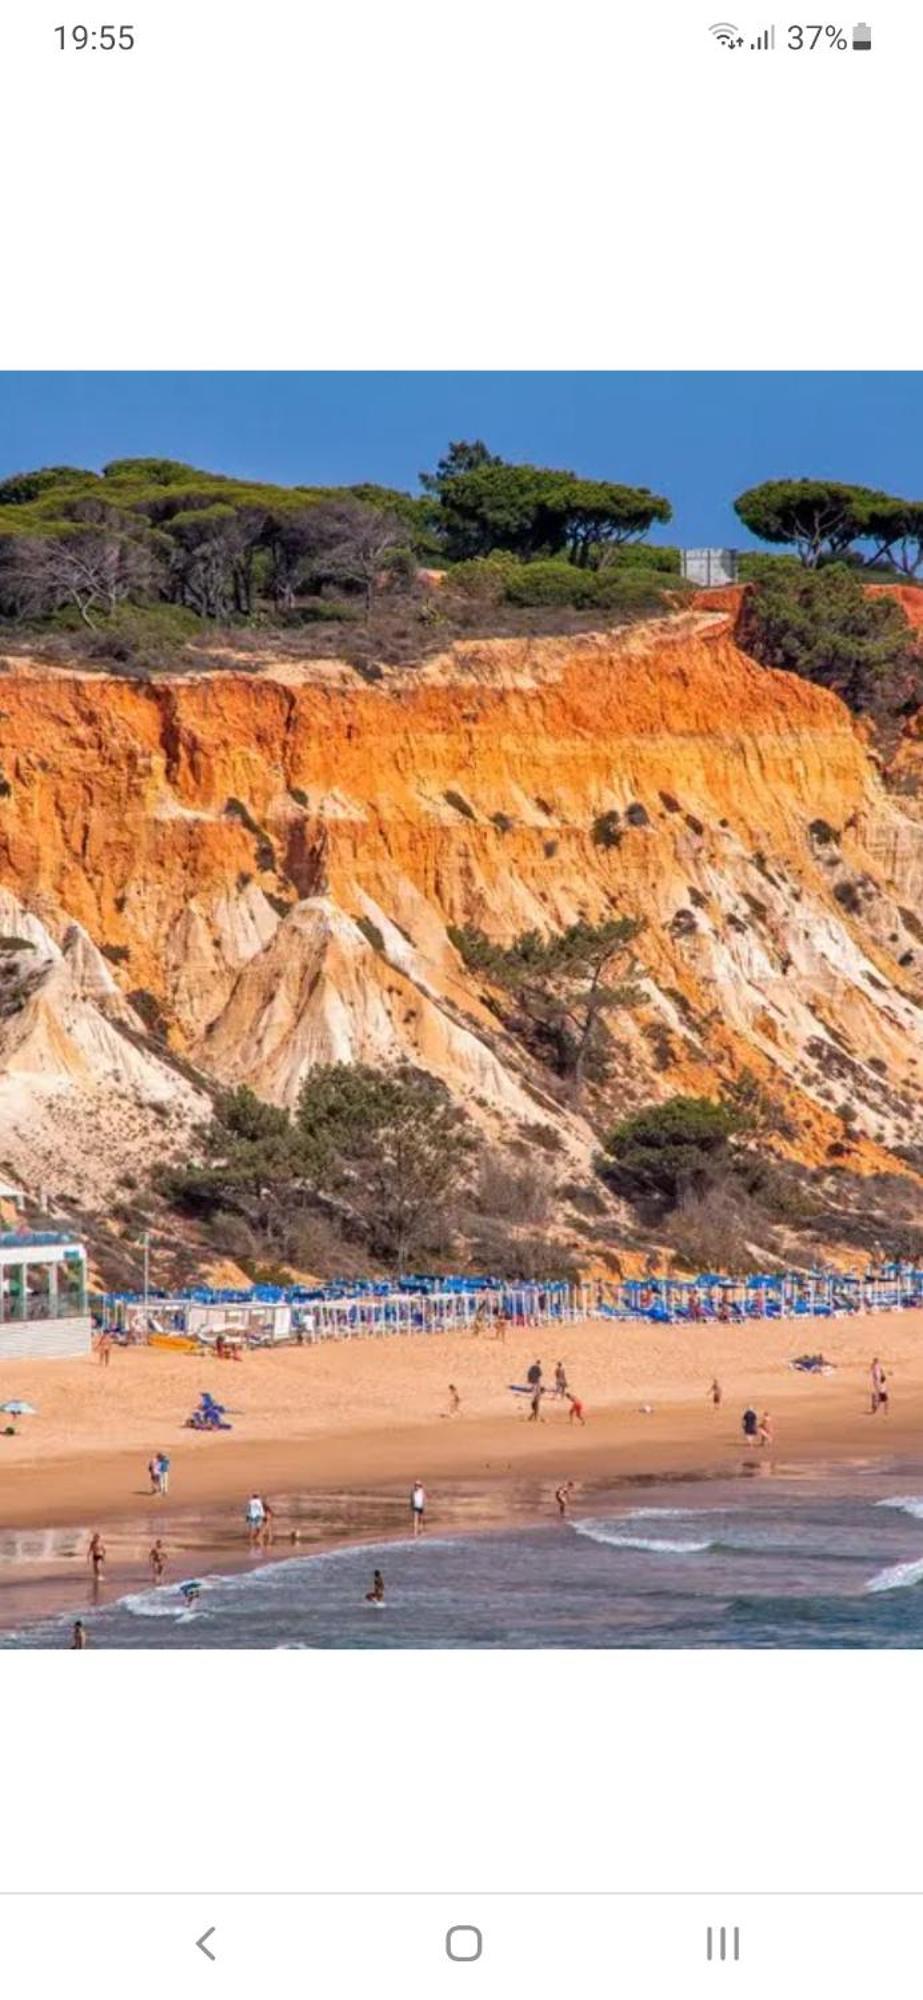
[{"x": 404, "y": 630}]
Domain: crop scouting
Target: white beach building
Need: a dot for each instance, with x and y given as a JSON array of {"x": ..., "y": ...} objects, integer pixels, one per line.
[{"x": 44, "y": 1311}]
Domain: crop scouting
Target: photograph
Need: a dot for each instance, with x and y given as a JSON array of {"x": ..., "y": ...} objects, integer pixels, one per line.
[{"x": 461, "y": 1010}]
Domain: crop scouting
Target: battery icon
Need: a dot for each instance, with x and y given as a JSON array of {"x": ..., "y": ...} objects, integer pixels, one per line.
[{"x": 862, "y": 36}]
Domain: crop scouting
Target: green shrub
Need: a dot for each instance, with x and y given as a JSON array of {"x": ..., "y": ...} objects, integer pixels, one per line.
[
  {"x": 484, "y": 577},
  {"x": 823, "y": 625},
  {"x": 606, "y": 830},
  {"x": 554, "y": 582},
  {"x": 753, "y": 565},
  {"x": 848, "y": 897},
  {"x": 459, "y": 804},
  {"x": 371, "y": 934},
  {"x": 643, "y": 555},
  {"x": 667, "y": 1148}
]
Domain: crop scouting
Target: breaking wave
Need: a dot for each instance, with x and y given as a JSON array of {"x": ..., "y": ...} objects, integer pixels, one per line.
[
  {"x": 599, "y": 1531},
  {"x": 907, "y": 1503},
  {"x": 901, "y": 1576}
]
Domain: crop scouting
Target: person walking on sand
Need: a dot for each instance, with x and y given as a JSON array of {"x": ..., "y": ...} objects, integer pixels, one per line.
[
  {"x": 268, "y": 1528},
  {"x": 714, "y": 1393},
  {"x": 79, "y": 1636},
  {"x": 562, "y": 1495},
  {"x": 534, "y": 1376},
  {"x": 877, "y": 1378},
  {"x": 765, "y": 1432},
  {"x": 164, "y": 1474},
  {"x": 104, "y": 1349},
  {"x": 560, "y": 1379},
  {"x": 750, "y": 1424},
  {"x": 417, "y": 1507},
  {"x": 575, "y": 1414},
  {"x": 153, "y": 1473},
  {"x": 454, "y": 1401},
  {"x": 96, "y": 1556},
  {"x": 158, "y": 1561},
  {"x": 255, "y": 1517},
  {"x": 377, "y": 1593},
  {"x": 535, "y": 1405},
  {"x": 883, "y": 1395}
]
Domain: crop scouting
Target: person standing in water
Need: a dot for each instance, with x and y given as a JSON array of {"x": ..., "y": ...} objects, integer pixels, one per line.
[
  {"x": 79, "y": 1636},
  {"x": 255, "y": 1517},
  {"x": 377, "y": 1593},
  {"x": 96, "y": 1556},
  {"x": 562, "y": 1495},
  {"x": 750, "y": 1424},
  {"x": 417, "y": 1507},
  {"x": 158, "y": 1561}
]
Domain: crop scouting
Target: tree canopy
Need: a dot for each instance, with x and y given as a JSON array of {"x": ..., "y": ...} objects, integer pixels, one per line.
[
  {"x": 820, "y": 518},
  {"x": 825, "y": 520},
  {"x": 562, "y": 986},
  {"x": 824, "y": 625},
  {"x": 387, "y": 1148},
  {"x": 221, "y": 546},
  {"x": 668, "y": 1149},
  {"x": 533, "y": 510}
]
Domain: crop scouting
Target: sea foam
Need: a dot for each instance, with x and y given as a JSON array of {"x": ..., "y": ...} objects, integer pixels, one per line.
[
  {"x": 901, "y": 1576},
  {"x": 908, "y": 1503},
  {"x": 616, "y": 1538}
]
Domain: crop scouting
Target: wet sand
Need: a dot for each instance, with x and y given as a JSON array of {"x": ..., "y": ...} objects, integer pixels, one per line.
[{"x": 334, "y": 1435}]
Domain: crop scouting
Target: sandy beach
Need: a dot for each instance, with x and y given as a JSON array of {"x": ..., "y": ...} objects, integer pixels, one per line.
[
  {"x": 368, "y": 1412},
  {"x": 335, "y": 1433}
]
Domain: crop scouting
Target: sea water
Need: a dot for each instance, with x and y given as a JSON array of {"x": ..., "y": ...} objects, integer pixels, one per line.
[{"x": 805, "y": 1562}]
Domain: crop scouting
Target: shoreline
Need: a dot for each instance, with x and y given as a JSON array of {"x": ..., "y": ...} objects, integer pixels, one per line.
[
  {"x": 334, "y": 1436},
  {"x": 474, "y": 1498}
]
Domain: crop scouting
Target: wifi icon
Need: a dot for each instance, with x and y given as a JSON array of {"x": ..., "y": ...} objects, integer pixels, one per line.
[{"x": 725, "y": 33}]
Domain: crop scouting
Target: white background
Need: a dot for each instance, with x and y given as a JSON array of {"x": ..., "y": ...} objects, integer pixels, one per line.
[
  {"x": 293, "y": 1770},
  {"x": 489, "y": 185}
]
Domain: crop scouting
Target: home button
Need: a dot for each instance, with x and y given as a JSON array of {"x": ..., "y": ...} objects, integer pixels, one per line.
[{"x": 464, "y": 1943}]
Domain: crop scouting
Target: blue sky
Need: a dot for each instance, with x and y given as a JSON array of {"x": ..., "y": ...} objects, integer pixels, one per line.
[{"x": 698, "y": 438}]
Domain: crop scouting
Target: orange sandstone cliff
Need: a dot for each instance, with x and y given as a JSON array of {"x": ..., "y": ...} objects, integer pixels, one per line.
[{"x": 239, "y": 874}]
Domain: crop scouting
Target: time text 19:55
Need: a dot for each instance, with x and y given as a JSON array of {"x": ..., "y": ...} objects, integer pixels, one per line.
[{"x": 95, "y": 38}]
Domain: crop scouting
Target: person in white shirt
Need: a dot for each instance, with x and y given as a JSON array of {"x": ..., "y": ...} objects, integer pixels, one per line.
[
  {"x": 256, "y": 1515},
  {"x": 418, "y": 1506}
]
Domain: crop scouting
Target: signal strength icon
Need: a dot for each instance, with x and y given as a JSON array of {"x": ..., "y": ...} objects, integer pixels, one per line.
[
  {"x": 725, "y": 33},
  {"x": 767, "y": 40}
]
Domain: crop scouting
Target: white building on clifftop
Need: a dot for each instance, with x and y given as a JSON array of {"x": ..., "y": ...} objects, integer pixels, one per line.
[
  {"x": 44, "y": 1312},
  {"x": 711, "y": 569}
]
